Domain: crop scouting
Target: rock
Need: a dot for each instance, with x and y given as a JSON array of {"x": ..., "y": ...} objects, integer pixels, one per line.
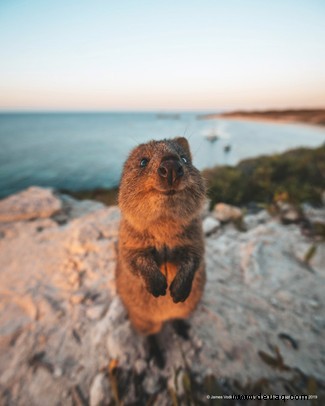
[
  {"x": 100, "y": 393},
  {"x": 151, "y": 384},
  {"x": 225, "y": 212},
  {"x": 263, "y": 256},
  {"x": 65, "y": 335},
  {"x": 314, "y": 215},
  {"x": 32, "y": 203},
  {"x": 253, "y": 220},
  {"x": 140, "y": 366},
  {"x": 42, "y": 391},
  {"x": 288, "y": 213},
  {"x": 74, "y": 208},
  {"x": 57, "y": 373},
  {"x": 49, "y": 274},
  {"x": 95, "y": 312},
  {"x": 210, "y": 225},
  {"x": 121, "y": 338},
  {"x": 77, "y": 298}
]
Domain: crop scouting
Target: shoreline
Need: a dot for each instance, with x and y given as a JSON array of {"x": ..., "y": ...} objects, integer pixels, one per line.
[
  {"x": 267, "y": 120},
  {"x": 307, "y": 117}
]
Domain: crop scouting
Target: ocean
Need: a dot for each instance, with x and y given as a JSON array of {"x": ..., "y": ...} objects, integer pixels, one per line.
[{"x": 81, "y": 151}]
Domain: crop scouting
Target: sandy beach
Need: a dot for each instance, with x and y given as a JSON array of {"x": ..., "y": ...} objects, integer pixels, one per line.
[{"x": 305, "y": 116}]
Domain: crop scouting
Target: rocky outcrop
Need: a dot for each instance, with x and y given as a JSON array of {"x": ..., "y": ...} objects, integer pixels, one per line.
[
  {"x": 225, "y": 212},
  {"x": 32, "y": 203},
  {"x": 66, "y": 338}
]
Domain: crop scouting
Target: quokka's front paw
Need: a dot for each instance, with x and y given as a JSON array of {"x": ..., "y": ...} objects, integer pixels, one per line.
[
  {"x": 156, "y": 284},
  {"x": 181, "y": 287}
]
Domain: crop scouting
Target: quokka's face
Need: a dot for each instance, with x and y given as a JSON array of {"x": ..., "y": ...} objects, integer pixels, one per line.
[
  {"x": 164, "y": 167},
  {"x": 159, "y": 175}
]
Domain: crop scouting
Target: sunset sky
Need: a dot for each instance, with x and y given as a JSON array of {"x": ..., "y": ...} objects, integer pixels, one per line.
[{"x": 167, "y": 55}]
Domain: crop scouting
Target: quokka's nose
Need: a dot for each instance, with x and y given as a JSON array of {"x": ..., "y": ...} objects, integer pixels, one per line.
[{"x": 171, "y": 170}]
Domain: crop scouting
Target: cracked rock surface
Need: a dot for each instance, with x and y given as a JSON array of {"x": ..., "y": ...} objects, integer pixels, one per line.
[{"x": 65, "y": 337}]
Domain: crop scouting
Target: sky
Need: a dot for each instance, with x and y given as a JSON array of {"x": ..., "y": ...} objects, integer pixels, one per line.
[{"x": 161, "y": 55}]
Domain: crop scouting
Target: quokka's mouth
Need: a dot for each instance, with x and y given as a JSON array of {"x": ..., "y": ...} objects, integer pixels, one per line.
[
  {"x": 170, "y": 192},
  {"x": 173, "y": 191}
]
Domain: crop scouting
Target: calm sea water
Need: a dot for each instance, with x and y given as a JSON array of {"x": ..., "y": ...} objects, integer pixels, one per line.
[{"x": 79, "y": 151}]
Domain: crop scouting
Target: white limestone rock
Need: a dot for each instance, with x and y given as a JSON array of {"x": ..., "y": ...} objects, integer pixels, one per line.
[
  {"x": 34, "y": 202},
  {"x": 210, "y": 225}
]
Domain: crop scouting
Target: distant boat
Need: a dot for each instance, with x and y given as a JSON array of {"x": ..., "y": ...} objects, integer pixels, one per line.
[
  {"x": 212, "y": 136},
  {"x": 168, "y": 116}
]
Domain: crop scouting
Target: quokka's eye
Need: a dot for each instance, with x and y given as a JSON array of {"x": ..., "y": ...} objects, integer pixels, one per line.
[
  {"x": 184, "y": 159},
  {"x": 144, "y": 162}
]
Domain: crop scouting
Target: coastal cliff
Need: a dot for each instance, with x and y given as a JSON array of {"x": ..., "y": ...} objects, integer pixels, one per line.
[{"x": 65, "y": 337}]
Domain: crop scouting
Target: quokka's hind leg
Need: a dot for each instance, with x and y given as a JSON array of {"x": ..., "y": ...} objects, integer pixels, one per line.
[
  {"x": 150, "y": 329},
  {"x": 182, "y": 328},
  {"x": 155, "y": 351}
]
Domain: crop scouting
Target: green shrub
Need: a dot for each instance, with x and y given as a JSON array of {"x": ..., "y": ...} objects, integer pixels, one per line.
[{"x": 299, "y": 173}]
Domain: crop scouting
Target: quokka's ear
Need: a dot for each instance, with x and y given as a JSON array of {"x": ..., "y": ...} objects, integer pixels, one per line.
[{"x": 182, "y": 141}]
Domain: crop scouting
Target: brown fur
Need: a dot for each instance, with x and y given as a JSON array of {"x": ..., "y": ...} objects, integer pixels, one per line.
[{"x": 160, "y": 274}]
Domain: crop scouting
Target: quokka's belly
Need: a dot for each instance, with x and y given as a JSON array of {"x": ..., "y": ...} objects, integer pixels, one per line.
[
  {"x": 140, "y": 302},
  {"x": 165, "y": 307}
]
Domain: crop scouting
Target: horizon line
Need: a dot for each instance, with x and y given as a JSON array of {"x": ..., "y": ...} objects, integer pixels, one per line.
[{"x": 155, "y": 111}]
